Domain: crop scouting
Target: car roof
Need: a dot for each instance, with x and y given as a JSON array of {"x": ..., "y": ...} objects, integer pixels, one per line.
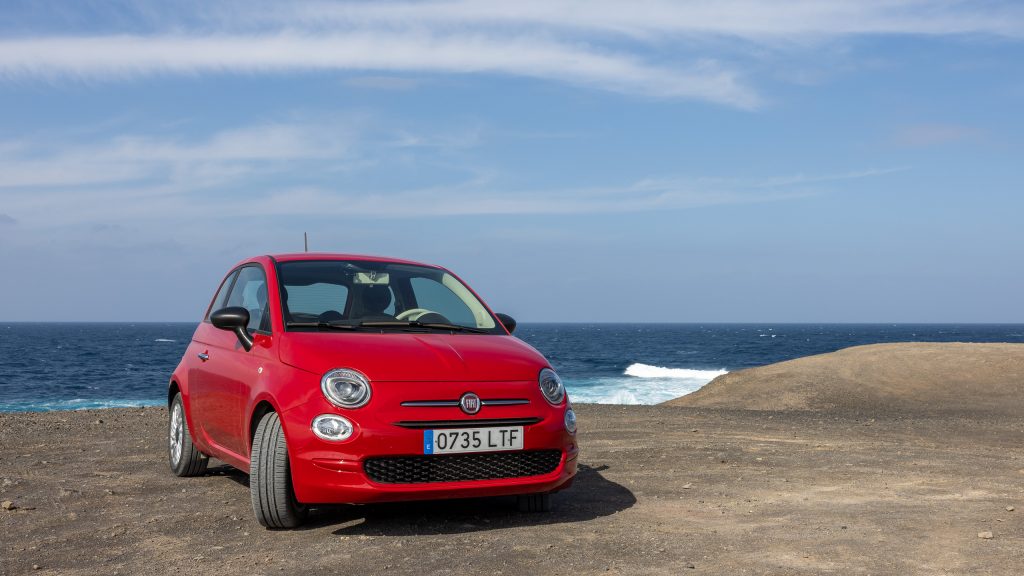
[{"x": 299, "y": 256}]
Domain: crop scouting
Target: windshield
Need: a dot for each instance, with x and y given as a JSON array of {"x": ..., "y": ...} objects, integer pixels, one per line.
[{"x": 365, "y": 295}]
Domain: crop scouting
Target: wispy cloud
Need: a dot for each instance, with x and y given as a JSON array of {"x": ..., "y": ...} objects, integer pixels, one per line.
[
  {"x": 281, "y": 170},
  {"x": 221, "y": 156},
  {"x": 750, "y": 19},
  {"x": 923, "y": 135},
  {"x": 393, "y": 83},
  {"x": 649, "y": 48},
  {"x": 130, "y": 55},
  {"x": 7, "y": 220}
]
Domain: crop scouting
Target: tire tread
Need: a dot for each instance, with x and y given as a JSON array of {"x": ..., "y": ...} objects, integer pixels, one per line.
[
  {"x": 193, "y": 462},
  {"x": 273, "y": 500}
]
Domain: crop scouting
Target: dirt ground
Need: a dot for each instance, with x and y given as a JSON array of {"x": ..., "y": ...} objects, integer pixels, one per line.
[
  {"x": 663, "y": 490},
  {"x": 907, "y": 376}
]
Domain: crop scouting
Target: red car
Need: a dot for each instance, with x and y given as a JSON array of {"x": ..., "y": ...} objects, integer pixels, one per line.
[{"x": 351, "y": 379}]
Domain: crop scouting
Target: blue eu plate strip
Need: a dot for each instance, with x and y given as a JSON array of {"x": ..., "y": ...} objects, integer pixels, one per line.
[{"x": 428, "y": 441}]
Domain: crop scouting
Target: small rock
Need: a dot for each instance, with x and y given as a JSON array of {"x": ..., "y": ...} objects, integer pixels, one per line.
[
  {"x": 687, "y": 486},
  {"x": 36, "y": 566},
  {"x": 8, "y": 505},
  {"x": 99, "y": 421},
  {"x": 109, "y": 491},
  {"x": 986, "y": 535},
  {"x": 1009, "y": 508},
  {"x": 690, "y": 566}
]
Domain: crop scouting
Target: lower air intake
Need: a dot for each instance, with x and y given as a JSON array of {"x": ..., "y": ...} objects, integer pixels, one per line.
[{"x": 461, "y": 467}]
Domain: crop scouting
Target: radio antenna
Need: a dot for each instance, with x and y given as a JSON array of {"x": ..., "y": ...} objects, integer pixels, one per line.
[{"x": 305, "y": 241}]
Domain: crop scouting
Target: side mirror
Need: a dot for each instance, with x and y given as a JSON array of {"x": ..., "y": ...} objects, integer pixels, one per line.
[
  {"x": 508, "y": 321},
  {"x": 236, "y": 319}
]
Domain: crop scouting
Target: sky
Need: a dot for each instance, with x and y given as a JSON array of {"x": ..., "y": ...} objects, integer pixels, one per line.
[{"x": 580, "y": 161}]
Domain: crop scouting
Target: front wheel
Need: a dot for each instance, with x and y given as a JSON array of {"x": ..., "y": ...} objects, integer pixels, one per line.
[
  {"x": 185, "y": 459},
  {"x": 270, "y": 478}
]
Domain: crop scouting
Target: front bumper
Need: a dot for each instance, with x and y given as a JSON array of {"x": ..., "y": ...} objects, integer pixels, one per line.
[{"x": 326, "y": 472}]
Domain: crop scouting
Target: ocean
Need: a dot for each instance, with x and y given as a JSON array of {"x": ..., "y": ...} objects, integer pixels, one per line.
[{"x": 50, "y": 366}]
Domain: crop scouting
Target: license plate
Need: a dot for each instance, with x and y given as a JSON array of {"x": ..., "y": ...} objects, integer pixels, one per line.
[{"x": 454, "y": 441}]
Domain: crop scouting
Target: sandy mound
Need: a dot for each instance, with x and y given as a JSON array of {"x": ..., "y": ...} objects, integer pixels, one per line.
[{"x": 906, "y": 377}]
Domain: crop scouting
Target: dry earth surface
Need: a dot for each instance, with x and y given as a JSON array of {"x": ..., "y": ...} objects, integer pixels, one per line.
[
  {"x": 911, "y": 377},
  {"x": 861, "y": 488}
]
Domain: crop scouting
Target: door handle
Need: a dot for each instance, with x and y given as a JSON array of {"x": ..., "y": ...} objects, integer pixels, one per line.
[{"x": 203, "y": 356}]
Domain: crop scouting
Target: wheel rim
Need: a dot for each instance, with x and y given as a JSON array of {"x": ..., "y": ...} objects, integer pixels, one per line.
[{"x": 177, "y": 434}]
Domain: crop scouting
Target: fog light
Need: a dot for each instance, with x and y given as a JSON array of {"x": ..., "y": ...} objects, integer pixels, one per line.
[
  {"x": 332, "y": 427},
  {"x": 570, "y": 421}
]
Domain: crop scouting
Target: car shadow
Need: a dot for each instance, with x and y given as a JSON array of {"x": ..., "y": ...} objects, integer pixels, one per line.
[{"x": 591, "y": 496}]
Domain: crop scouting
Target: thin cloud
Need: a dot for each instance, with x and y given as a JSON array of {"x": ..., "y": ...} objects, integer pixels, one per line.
[
  {"x": 7, "y": 220},
  {"x": 924, "y": 135},
  {"x": 222, "y": 156},
  {"x": 128, "y": 56},
  {"x": 567, "y": 41},
  {"x": 749, "y": 19},
  {"x": 169, "y": 202},
  {"x": 390, "y": 83}
]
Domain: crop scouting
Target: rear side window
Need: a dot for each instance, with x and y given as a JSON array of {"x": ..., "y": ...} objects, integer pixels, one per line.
[
  {"x": 222, "y": 294},
  {"x": 250, "y": 292}
]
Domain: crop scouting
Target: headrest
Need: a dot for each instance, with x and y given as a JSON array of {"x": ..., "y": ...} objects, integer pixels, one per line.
[{"x": 376, "y": 299}]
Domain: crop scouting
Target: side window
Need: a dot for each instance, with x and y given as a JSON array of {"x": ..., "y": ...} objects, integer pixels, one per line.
[
  {"x": 306, "y": 303},
  {"x": 222, "y": 295},
  {"x": 436, "y": 297},
  {"x": 250, "y": 292}
]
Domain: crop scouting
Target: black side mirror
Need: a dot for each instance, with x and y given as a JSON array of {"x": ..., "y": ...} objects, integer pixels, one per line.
[
  {"x": 508, "y": 321},
  {"x": 236, "y": 319}
]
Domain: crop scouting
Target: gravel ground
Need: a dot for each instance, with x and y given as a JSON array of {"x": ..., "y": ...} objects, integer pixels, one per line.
[{"x": 662, "y": 490}]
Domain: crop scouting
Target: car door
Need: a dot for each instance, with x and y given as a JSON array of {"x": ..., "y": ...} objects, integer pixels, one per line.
[
  {"x": 207, "y": 397},
  {"x": 229, "y": 371}
]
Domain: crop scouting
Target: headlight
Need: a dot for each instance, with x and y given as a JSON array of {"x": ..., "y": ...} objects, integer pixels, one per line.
[
  {"x": 551, "y": 386},
  {"x": 346, "y": 388},
  {"x": 570, "y": 421},
  {"x": 332, "y": 427}
]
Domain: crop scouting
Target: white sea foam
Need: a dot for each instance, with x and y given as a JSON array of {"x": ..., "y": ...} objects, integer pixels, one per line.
[
  {"x": 648, "y": 371},
  {"x": 73, "y": 404},
  {"x": 165, "y": 340},
  {"x": 641, "y": 384}
]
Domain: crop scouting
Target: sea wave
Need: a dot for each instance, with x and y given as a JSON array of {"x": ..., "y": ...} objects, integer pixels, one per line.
[
  {"x": 647, "y": 371},
  {"x": 73, "y": 404},
  {"x": 165, "y": 340},
  {"x": 640, "y": 384}
]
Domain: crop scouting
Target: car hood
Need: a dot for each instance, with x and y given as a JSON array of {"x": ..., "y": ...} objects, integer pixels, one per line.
[{"x": 408, "y": 357}]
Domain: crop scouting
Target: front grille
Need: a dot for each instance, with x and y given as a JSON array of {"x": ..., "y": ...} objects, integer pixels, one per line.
[
  {"x": 461, "y": 467},
  {"x": 428, "y": 424}
]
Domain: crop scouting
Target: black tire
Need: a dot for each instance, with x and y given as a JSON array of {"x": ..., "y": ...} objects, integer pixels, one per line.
[
  {"x": 270, "y": 478},
  {"x": 534, "y": 503},
  {"x": 182, "y": 455}
]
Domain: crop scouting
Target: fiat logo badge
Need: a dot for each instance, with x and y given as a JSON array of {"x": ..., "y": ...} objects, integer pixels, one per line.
[{"x": 470, "y": 403}]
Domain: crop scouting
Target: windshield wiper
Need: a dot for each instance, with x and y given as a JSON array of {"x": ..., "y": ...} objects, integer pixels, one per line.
[
  {"x": 322, "y": 325},
  {"x": 416, "y": 324}
]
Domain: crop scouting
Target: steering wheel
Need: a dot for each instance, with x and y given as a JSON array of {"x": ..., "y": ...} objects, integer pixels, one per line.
[{"x": 408, "y": 314}]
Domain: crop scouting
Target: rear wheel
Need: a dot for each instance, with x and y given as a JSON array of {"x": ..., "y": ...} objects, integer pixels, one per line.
[
  {"x": 185, "y": 459},
  {"x": 534, "y": 502},
  {"x": 270, "y": 478}
]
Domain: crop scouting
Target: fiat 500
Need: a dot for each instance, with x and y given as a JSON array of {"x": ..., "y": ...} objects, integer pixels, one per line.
[{"x": 336, "y": 379}]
